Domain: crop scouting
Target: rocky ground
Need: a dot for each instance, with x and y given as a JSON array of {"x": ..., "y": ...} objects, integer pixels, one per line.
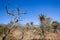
[{"x": 31, "y": 34}]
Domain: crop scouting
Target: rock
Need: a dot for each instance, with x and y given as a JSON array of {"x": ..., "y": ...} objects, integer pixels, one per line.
[{"x": 52, "y": 36}]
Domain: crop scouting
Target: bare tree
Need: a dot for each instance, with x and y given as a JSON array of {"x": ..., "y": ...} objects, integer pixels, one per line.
[{"x": 16, "y": 19}]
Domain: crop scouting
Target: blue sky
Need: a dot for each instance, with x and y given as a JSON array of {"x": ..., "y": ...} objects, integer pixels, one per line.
[{"x": 51, "y": 8}]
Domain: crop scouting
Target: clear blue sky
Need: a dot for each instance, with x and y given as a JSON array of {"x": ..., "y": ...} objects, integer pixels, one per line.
[{"x": 51, "y": 8}]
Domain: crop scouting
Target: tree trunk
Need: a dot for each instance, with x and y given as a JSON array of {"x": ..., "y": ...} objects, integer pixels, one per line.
[{"x": 4, "y": 38}]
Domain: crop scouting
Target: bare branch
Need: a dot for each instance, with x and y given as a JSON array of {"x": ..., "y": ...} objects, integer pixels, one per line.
[
  {"x": 10, "y": 13},
  {"x": 18, "y": 10}
]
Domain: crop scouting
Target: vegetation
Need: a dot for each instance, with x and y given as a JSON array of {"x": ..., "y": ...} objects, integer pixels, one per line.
[
  {"x": 55, "y": 24},
  {"x": 46, "y": 26},
  {"x": 15, "y": 31}
]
